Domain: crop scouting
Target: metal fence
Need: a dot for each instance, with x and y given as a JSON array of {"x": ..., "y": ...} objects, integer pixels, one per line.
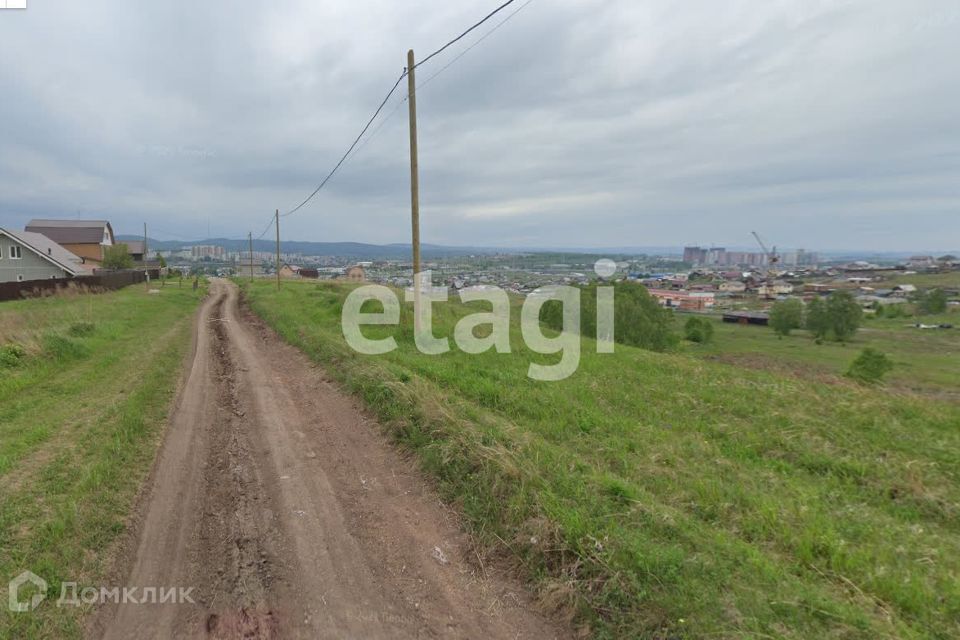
[{"x": 100, "y": 281}]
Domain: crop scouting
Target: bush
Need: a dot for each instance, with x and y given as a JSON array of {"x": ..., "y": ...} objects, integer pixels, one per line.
[
  {"x": 870, "y": 366},
  {"x": 698, "y": 330},
  {"x": 787, "y": 315},
  {"x": 63, "y": 349},
  {"x": 117, "y": 257},
  {"x": 931, "y": 302},
  {"x": 891, "y": 311},
  {"x": 11, "y": 355}
]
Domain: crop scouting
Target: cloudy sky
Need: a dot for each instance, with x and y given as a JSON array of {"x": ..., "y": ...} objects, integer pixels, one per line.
[{"x": 821, "y": 124}]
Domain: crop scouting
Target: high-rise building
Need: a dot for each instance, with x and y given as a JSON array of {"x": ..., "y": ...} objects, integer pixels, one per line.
[{"x": 694, "y": 255}]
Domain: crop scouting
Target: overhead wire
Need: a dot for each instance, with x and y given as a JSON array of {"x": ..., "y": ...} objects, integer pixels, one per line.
[
  {"x": 420, "y": 85},
  {"x": 355, "y": 141},
  {"x": 265, "y": 229},
  {"x": 462, "y": 35},
  {"x": 393, "y": 89}
]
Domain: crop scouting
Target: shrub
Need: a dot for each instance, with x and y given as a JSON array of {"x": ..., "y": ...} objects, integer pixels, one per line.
[
  {"x": 892, "y": 310},
  {"x": 63, "y": 349},
  {"x": 787, "y": 315},
  {"x": 698, "y": 330},
  {"x": 931, "y": 302},
  {"x": 870, "y": 366},
  {"x": 117, "y": 257},
  {"x": 11, "y": 355}
]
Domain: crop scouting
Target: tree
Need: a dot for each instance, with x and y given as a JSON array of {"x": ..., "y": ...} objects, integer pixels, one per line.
[
  {"x": 786, "y": 315},
  {"x": 845, "y": 315},
  {"x": 117, "y": 257},
  {"x": 870, "y": 366},
  {"x": 161, "y": 260},
  {"x": 893, "y": 310},
  {"x": 698, "y": 330},
  {"x": 931, "y": 301},
  {"x": 639, "y": 320},
  {"x": 817, "y": 321}
]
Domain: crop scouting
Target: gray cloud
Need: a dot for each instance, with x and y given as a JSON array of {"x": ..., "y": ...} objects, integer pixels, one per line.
[{"x": 579, "y": 122}]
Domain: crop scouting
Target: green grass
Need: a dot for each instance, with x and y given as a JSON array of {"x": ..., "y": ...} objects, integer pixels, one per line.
[
  {"x": 950, "y": 280},
  {"x": 665, "y": 496},
  {"x": 81, "y": 410},
  {"x": 925, "y": 361}
]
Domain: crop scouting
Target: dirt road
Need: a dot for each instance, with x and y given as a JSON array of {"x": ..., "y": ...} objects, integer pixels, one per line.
[{"x": 290, "y": 516}]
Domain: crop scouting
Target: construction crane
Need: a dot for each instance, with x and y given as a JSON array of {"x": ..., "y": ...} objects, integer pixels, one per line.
[
  {"x": 772, "y": 257},
  {"x": 772, "y": 260}
]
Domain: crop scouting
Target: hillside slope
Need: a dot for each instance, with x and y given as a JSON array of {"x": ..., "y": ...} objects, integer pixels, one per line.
[{"x": 663, "y": 496}]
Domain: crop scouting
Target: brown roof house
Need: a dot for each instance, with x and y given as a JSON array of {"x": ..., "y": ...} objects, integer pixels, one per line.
[
  {"x": 84, "y": 238},
  {"x": 137, "y": 249}
]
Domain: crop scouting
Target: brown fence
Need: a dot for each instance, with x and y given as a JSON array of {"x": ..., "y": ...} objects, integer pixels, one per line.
[{"x": 101, "y": 281}]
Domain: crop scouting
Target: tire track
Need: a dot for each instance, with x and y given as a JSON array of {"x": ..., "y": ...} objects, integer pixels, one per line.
[{"x": 279, "y": 501}]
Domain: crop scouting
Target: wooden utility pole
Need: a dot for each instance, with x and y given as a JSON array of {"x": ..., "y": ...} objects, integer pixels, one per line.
[
  {"x": 146, "y": 274},
  {"x": 414, "y": 187},
  {"x": 278, "y": 249},
  {"x": 250, "y": 238}
]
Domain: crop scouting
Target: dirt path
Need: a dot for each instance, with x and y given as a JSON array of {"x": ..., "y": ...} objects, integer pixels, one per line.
[{"x": 284, "y": 508}]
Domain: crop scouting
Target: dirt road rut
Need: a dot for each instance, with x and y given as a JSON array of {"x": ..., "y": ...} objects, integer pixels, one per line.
[{"x": 285, "y": 510}]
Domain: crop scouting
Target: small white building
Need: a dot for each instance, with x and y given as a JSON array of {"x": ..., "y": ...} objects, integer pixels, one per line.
[
  {"x": 904, "y": 290},
  {"x": 778, "y": 288}
]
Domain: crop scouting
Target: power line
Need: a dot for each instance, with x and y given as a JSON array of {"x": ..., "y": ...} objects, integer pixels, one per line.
[
  {"x": 479, "y": 40},
  {"x": 461, "y": 36},
  {"x": 442, "y": 69},
  {"x": 265, "y": 229},
  {"x": 391, "y": 92},
  {"x": 356, "y": 140}
]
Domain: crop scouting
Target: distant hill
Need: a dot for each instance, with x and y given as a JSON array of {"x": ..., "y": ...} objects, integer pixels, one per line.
[
  {"x": 364, "y": 251},
  {"x": 342, "y": 249}
]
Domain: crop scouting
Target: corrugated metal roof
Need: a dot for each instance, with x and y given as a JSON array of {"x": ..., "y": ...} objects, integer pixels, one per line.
[
  {"x": 71, "y": 231},
  {"x": 49, "y": 250}
]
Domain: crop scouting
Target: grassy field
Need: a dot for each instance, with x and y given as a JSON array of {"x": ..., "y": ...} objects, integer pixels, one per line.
[
  {"x": 83, "y": 397},
  {"x": 949, "y": 280},
  {"x": 666, "y": 496},
  {"x": 926, "y": 361}
]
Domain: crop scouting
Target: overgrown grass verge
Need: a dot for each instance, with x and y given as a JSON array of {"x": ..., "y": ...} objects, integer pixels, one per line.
[
  {"x": 82, "y": 404},
  {"x": 661, "y": 496}
]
